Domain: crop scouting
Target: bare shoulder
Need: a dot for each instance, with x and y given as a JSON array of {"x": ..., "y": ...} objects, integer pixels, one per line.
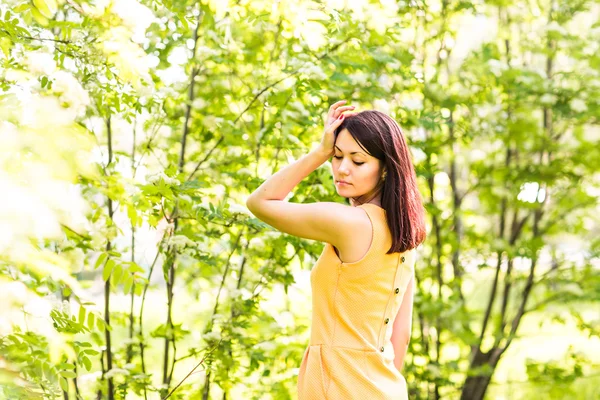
[
  {"x": 355, "y": 235},
  {"x": 351, "y": 218},
  {"x": 350, "y": 225},
  {"x": 326, "y": 221}
]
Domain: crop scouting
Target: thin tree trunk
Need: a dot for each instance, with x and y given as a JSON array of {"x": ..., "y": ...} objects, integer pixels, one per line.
[
  {"x": 206, "y": 390},
  {"x": 172, "y": 257},
  {"x": 439, "y": 279},
  {"x": 141, "y": 318},
  {"x": 129, "y": 352},
  {"x": 109, "y": 361},
  {"x": 107, "y": 334},
  {"x": 77, "y": 394},
  {"x": 476, "y": 386}
]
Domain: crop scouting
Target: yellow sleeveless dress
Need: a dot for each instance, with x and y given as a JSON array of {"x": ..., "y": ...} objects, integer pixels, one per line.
[{"x": 350, "y": 355}]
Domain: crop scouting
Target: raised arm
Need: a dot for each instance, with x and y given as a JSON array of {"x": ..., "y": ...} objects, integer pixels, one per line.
[{"x": 403, "y": 326}]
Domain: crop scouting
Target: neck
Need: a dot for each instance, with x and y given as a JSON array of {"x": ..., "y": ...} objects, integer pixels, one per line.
[{"x": 357, "y": 201}]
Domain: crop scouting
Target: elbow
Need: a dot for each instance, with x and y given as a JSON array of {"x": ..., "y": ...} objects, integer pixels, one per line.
[
  {"x": 253, "y": 204},
  {"x": 250, "y": 202}
]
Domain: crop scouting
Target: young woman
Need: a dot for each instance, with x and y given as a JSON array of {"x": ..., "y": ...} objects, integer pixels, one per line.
[{"x": 362, "y": 283}]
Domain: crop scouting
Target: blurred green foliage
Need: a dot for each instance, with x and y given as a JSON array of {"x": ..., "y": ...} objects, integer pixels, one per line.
[{"x": 133, "y": 132}]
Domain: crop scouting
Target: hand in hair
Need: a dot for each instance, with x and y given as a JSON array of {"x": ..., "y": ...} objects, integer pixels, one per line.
[{"x": 334, "y": 118}]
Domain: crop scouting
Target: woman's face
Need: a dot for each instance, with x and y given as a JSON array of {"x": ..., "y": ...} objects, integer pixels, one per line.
[{"x": 361, "y": 171}]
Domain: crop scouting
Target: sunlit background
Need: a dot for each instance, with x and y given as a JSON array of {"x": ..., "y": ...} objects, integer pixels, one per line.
[{"x": 132, "y": 132}]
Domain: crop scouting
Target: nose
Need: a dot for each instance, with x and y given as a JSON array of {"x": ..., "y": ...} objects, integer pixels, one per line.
[{"x": 343, "y": 169}]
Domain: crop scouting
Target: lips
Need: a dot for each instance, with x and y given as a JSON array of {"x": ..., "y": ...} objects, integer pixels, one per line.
[{"x": 344, "y": 182}]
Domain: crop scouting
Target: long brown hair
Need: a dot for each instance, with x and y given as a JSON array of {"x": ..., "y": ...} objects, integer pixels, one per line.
[{"x": 381, "y": 136}]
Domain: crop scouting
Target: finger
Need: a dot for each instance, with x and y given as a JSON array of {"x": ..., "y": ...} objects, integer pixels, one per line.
[
  {"x": 336, "y": 122},
  {"x": 346, "y": 115},
  {"x": 342, "y": 109},
  {"x": 340, "y": 119},
  {"x": 337, "y": 104}
]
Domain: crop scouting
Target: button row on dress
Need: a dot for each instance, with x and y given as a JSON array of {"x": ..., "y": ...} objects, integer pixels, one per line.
[
  {"x": 387, "y": 320},
  {"x": 398, "y": 289}
]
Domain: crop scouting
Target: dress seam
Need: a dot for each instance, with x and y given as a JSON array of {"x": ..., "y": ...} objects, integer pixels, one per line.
[{"x": 335, "y": 311}]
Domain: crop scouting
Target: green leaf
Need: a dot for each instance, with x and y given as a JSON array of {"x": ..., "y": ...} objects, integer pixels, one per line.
[
  {"x": 132, "y": 214},
  {"x": 47, "y": 370},
  {"x": 101, "y": 324},
  {"x": 22, "y": 7},
  {"x": 110, "y": 264},
  {"x": 86, "y": 362},
  {"x": 66, "y": 366},
  {"x": 133, "y": 267},
  {"x": 46, "y": 7},
  {"x": 117, "y": 274},
  {"x": 101, "y": 259},
  {"x": 81, "y": 318},
  {"x": 39, "y": 17},
  {"x": 5, "y": 45},
  {"x": 183, "y": 21},
  {"x": 91, "y": 352},
  {"x": 90, "y": 321},
  {"x": 68, "y": 374},
  {"x": 127, "y": 283},
  {"x": 64, "y": 385}
]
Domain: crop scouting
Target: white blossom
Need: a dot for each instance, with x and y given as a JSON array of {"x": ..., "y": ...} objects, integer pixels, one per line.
[
  {"x": 386, "y": 82},
  {"x": 359, "y": 77},
  {"x": 70, "y": 90},
  {"x": 497, "y": 66},
  {"x": 234, "y": 151},
  {"x": 314, "y": 72},
  {"x": 155, "y": 178},
  {"x": 238, "y": 208},
  {"x": 116, "y": 371},
  {"x": 578, "y": 105},
  {"x": 548, "y": 99},
  {"x": 134, "y": 15},
  {"x": 212, "y": 336},
  {"x": 555, "y": 27},
  {"x": 181, "y": 241},
  {"x": 413, "y": 104},
  {"x": 257, "y": 242},
  {"x": 381, "y": 105},
  {"x": 245, "y": 171},
  {"x": 266, "y": 346},
  {"x": 39, "y": 62}
]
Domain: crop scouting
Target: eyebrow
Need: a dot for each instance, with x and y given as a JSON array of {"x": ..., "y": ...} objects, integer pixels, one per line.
[{"x": 354, "y": 152}]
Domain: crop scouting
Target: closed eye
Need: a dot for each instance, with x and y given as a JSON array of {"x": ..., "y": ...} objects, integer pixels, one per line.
[{"x": 357, "y": 163}]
